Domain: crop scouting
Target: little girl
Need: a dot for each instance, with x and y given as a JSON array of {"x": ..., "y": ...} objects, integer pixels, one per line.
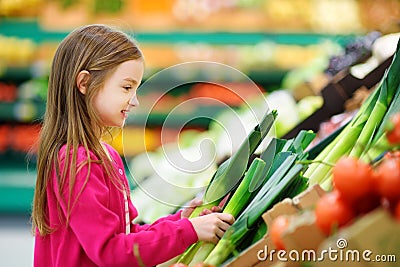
[{"x": 82, "y": 214}]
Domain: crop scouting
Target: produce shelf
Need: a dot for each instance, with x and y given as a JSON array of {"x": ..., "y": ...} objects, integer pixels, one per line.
[
  {"x": 21, "y": 111},
  {"x": 17, "y": 181},
  {"x": 201, "y": 117},
  {"x": 31, "y": 29},
  {"x": 16, "y": 74},
  {"x": 16, "y": 190},
  {"x": 268, "y": 78}
]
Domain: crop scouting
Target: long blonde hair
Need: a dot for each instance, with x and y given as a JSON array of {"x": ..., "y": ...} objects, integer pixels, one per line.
[{"x": 70, "y": 117}]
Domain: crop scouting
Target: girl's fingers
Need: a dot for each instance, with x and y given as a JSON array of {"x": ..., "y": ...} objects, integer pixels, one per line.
[
  {"x": 190, "y": 208},
  {"x": 216, "y": 209},
  {"x": 205, "y": 212},
  {"x": 196, "y": 202},
  {"x": 223, "y": 226},
  {"x": 219, "y": 233},
  {"x": 215, "y": 239},
  {"x": 228, "y": 218}
]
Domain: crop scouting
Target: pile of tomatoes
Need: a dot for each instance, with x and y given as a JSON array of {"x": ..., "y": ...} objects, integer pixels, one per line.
[{"x": 358, "y": 189}]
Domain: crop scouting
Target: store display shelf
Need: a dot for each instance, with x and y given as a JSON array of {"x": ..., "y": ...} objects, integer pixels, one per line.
[
  {"x": 174, "y": 79},
  {"x": 16, "y": 190},
  {"x": 21, "y": 111},
  {"x": 265, "y": 77},
  {"x": 32, "y": 29},
  {"x": 200, "y": 116},
  {"x": 17, "y": 181},
  {"x": 236, "y": 38},
  {"x": 268, "y": 78},
  {"x": 16, "y": 74}
]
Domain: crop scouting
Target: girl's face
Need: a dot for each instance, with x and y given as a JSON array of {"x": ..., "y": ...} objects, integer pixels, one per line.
[{"x": 113, "y": 102}]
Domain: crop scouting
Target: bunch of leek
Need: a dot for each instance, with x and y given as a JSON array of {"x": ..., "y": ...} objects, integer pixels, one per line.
[
  {"x": 283, "y": 179},
  {"x": 235, "y": 205},
  {"x": 254, "y": 178},
  {"x": 379, "y": 143},
  {"x": 231, "y": 171},
  {"x": 364, "y": 132}
]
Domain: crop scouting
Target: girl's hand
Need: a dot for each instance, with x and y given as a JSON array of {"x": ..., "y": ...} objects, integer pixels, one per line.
[
  {"x": 216, "y": 208},
  {"x": 208, "y": 211},
  {"x": 192, "y": 205},
  {"x": 195, "y": 203},
  {"x": 211, "y": 227}
]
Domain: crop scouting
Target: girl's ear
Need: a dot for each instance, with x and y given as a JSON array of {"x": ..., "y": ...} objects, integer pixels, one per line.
[{"x": 81, "y": 81}]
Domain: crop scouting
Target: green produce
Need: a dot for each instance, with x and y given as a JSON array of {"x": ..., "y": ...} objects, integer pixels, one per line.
[
  {"x": 283, "y": 180},
  {"x": 238, "y": 201},
  {"x": 230, "y": 172},
  {"x": 364, "y": 130},
  {"x": 379, "y": 142}
]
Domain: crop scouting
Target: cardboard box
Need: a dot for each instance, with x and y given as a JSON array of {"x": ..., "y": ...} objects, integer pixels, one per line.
[
  {"x": 308, "y": 198},
  {"x": 303, "y": 234},
  {"x": 284, "y": 207},
  {"x": 376, "y": 234},
  {"x": 250, "y": 257}
]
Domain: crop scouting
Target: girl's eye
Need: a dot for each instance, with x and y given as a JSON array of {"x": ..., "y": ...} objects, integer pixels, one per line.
[{"x": 127, "y": 88}]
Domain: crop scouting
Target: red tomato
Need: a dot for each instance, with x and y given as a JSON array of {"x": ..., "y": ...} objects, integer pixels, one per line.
[
  {"x": 393, "y": 127},
  {"x": 352, "y": 178},
  {"x": 278, "y": 227},
  {"x": 387, "y": 179},
  {"x": 332, "y": 212}
]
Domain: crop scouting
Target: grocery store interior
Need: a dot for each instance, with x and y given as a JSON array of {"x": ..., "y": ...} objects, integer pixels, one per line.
[{"x": 314, "y": 61}]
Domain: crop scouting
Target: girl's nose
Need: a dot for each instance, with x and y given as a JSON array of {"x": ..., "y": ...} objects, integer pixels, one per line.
[{"x": 134, "y": 101}]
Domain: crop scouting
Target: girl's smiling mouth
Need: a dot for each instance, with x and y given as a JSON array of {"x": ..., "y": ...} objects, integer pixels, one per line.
[{"x": 125, "y": 113}]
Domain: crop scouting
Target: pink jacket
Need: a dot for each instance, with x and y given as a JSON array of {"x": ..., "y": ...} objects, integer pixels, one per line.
[{"x": 96, "y": 233}]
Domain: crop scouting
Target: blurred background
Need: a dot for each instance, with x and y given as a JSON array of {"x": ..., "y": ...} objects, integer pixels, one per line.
[{"x": 291, "y": 49}]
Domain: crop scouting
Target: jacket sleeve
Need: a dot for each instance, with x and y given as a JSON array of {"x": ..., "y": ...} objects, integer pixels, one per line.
[
  {"x": 135, "y": 227},
  {"x": 98, "y": 228}
]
